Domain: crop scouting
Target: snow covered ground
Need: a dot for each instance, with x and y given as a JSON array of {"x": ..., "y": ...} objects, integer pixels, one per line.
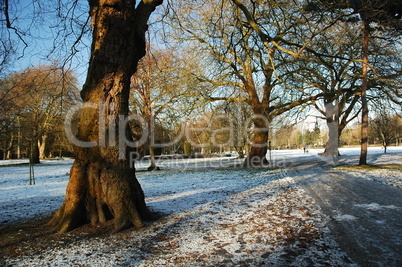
[
  {"x": 215, "y": 215},
  {"x": 19, "y": 200}
]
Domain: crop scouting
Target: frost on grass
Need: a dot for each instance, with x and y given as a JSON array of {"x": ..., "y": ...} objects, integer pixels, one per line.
[
  {"x": 376, "y": 206},
  {"x": 385, "y": 168},
  {"x": 345, "y": 217},
  {"x": 213, "y": 217},
  {"x": 20, "y": 201},
  {"x": 386, "y": 176},
  {"x": 271, "y": 223}
]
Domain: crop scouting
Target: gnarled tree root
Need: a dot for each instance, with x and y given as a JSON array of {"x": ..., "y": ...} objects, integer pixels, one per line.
[{"x": 97, "y": 193}]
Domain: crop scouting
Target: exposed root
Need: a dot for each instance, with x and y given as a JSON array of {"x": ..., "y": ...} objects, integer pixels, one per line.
[{"x": 97, "y": 194}]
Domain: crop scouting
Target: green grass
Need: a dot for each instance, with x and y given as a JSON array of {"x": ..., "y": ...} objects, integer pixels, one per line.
[{"x": 372, "y": 167}]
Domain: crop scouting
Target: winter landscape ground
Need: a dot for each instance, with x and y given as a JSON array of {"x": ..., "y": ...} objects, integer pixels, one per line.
[{"x": 303, "y": 212}]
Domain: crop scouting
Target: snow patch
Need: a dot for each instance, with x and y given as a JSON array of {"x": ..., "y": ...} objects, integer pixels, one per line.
[
  {"x": 376, "y": 206},
  {"x": 345, "y": 218}
]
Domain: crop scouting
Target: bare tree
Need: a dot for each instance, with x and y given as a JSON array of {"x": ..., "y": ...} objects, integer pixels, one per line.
[
  {"x": 245, "y": 63},
  {"x": 386, "y": 14},
  {"x": 336, "y": 77},
  {"x": 162, "y": 94},
  {"x": 221, "y": 129},
  {"x": 34, "y": 102},
  {"x": 385, "y": 127}
]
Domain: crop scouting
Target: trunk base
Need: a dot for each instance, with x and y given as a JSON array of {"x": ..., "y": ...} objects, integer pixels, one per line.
[
  {"x": 101, "y": 193},
  {"x": 255, "y": 161},
  {"x": 328, "y": 153},
  {"x": 153, "y": 168}
]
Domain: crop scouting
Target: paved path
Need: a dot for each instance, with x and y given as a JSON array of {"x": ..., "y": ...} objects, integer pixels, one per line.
[{"x": 365, "y": 216}]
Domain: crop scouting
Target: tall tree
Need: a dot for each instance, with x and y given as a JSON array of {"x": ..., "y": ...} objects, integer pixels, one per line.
[
  {"x": 387, "y": 14},
  {"x": 336, "y": 77},
  {"x": 385, "y": 127},
  {"x": 33, "y": 102},
  {"x": 246, "y": 63},
  {"x": 161, "y": 89},
  {"x": 102, "y": 184}
]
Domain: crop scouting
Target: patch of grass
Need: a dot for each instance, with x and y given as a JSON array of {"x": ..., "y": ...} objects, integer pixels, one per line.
[
  {"x": 372, "y": 167},
  {"x": 33, "y": 236}
]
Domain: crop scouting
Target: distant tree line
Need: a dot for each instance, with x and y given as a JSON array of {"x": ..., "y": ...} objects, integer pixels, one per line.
[{"x": 33, "y": 104}]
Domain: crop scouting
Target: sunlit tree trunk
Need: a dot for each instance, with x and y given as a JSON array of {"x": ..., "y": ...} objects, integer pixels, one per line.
[
  {"x": 102, "y": 185},
  {"x": 42, "y": 146},
  {"x": 257, "y": 155},
  {"x": 364, "y": 127},
  {"x": 19, "y": 138},
  {"x": 8, "y": 147},
  {"x": 258, "y": 150},
  {"x": 384, "y": 142}
]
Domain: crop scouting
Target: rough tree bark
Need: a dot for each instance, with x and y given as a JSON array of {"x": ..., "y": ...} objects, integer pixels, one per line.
[
  {"x": 365, "y": 111},
  {"x": 258, "y": 151},
  {"x": 259, "y": 147},
  {"x": 102, "y": 186}
]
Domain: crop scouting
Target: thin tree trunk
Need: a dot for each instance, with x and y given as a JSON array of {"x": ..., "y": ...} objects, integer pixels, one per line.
[
  {"x": 152, "y": 166},
  {"x": 9, "y": 146},
  {"x": 151, "y": 135},
  {"x": 35, "y": 152},
  {"x": 19, "y": 139},
  {"x": 365, "y": 111},
  {"x": 384, "y": 141},
  {"x": 4, "y": 156},
  {"x": 102, "y": 185}
]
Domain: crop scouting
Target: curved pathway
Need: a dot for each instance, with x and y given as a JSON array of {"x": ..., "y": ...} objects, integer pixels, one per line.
[{"x": 364, "y": 216}]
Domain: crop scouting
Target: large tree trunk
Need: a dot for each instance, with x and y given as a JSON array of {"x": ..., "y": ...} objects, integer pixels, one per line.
[
  {"x": 102, "y": 183},
  {"x": 257, "y": 155},
  {"x": 332, "y": 118},
  {"x": 365, "y": 111}
]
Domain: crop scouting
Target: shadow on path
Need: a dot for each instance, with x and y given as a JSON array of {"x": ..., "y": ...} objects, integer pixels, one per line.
[{"x": 364, "y": 216}]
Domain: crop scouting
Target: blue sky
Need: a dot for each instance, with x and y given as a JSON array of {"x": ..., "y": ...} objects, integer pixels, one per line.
[{"x": 39, "y": 38}]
